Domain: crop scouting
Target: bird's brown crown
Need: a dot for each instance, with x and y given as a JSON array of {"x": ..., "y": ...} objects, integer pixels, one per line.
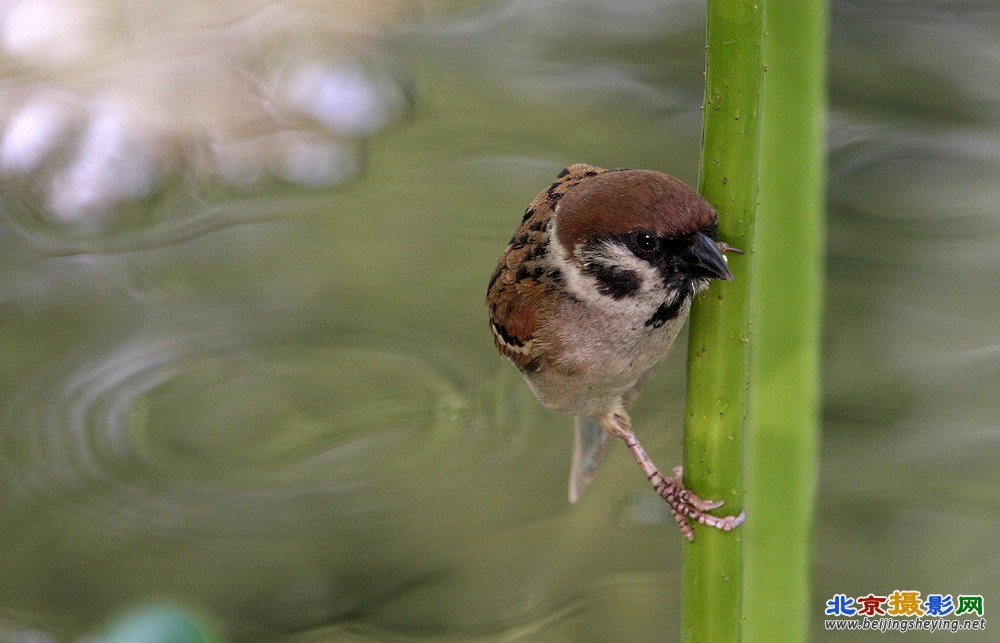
[{"x": 617, "y": 202}]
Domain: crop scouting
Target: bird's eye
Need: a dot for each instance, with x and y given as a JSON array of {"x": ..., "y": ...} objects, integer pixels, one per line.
[{"x": 643, "y": 241}]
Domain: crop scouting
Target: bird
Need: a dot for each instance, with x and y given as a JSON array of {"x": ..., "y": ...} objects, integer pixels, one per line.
[{"x": 589, "y": 296}]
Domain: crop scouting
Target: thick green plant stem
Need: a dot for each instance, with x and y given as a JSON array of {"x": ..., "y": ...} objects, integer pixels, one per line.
[
  {"x": 783, "y": 431},
  {"x": 718, "y": 352}
]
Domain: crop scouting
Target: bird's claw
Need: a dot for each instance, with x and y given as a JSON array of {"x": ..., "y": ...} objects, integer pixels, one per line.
[{"x": 685, "y": 505}]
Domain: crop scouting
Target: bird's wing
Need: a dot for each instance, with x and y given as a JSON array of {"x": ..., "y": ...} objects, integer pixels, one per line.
[
  {"x": 522, "y": 281},
  {"x": 514, "y": 322},
  {"x": 590, "y": 442},
  {"x": 518, "y": 288}
]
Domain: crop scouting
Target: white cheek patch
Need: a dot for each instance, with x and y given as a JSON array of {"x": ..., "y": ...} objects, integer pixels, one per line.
[
  {"x": 586, "y": 287},
  {"x": 558, "y": 257}
]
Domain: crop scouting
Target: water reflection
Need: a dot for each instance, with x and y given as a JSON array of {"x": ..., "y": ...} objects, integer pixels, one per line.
[
  {"x": 56, "y": 34},
  {"x": 232, "y": 102},
  {"x": 245, "y": 361}
]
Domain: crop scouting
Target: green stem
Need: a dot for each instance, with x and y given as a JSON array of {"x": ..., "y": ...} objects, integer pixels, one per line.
[
  {"x": 783, "y": 432},
  {"x": 718, "y": 353}
]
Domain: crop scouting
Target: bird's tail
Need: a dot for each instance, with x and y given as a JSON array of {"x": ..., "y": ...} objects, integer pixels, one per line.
[{"x": 589, "y": 444}]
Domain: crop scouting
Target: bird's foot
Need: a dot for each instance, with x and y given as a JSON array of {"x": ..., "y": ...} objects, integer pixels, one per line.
[{"x": 685, "y": 505}]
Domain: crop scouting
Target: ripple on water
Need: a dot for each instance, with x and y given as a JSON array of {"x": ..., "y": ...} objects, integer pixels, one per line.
[{"x": 236, "y": 435}]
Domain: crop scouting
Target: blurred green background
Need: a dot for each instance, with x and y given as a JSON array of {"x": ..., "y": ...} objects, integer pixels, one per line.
[{"x": 245, "y": 366}]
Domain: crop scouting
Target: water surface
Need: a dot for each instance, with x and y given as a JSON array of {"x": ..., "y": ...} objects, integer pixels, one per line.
[{"x": 245, "y": 363}]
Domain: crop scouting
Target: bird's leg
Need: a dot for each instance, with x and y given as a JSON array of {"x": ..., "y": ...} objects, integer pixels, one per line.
[{"x": 683, "y": 504}]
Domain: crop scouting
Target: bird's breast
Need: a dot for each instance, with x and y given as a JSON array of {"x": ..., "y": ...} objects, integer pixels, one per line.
[{"x": 595, "y": 358}]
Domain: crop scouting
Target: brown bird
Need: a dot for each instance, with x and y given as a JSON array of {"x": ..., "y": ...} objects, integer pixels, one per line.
[{"x": 589, "y": 296}]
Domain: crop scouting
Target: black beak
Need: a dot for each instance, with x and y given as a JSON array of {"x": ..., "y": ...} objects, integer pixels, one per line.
[{"x": 705, "y": 259}]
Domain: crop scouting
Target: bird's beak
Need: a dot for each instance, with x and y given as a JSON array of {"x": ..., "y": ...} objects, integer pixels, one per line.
[{"x": 704, "y": 258}]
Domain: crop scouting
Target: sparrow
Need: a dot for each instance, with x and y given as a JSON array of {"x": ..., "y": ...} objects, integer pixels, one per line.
[{"x": 590, "y": 295}]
